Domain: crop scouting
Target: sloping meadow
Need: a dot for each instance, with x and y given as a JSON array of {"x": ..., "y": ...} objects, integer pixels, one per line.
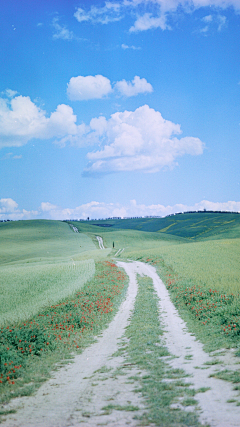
[
  {"x": 204, "y": 283},
  {"x": 31, "y": 348},
  {"x": 27, "y": 289}
]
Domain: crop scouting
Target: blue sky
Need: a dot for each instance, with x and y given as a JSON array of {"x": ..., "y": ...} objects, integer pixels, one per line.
[{"x": 118, "y": 108}]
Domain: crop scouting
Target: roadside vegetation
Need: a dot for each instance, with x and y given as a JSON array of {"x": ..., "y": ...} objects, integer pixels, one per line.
[
  {"x": 161, "y": 386},
  {"x": 30, "y": 349},
  {"x": 197, "y": 257},
  {"x": 35, "y": 286},
  {"x": 59, "y": 290}
]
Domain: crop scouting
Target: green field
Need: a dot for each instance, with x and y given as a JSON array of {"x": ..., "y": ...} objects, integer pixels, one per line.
[
  {"x": 193, "y": 226},
  {"x": 44, "y": 265},
  {"x": 202, "y": 247},
  {"x": 197, "y": 257},
  {"x": 41, "y": 262},
  {"x": 31, "y": 241}
]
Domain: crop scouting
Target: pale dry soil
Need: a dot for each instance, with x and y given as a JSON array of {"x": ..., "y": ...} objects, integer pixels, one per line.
[
  {"x": 77, "y": 394},
  {"x": 190, "y": 356},
  {"x": 100, "y": 242}
]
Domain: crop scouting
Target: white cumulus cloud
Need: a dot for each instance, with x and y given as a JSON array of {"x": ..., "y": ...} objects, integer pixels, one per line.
[
  {"x": 96, "y": 210},
  {"x": 138, "y": 140},
  {"x": 96, "y": 87},
  {"x": 133, "y": 88},
  {"x": 21, "y": 120},
  {"x": 9, "y": 209},
  {"x": 149, "y": 21},
  {"x": 7, "y": 206},
  {"x": 46, "y": 207},
  {"x": 89, "y": 87}
]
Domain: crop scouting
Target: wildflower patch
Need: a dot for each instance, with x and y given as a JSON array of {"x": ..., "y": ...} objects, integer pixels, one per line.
[{"x": 62, "y": 325}]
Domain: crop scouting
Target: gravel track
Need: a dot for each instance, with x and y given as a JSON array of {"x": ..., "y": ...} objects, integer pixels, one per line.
[
  {"x": 100, "y": 242},
  {"x": 76, "y": 394},
  {"x": 190, "y": 356},
  {"x": 57, "y": 402}
]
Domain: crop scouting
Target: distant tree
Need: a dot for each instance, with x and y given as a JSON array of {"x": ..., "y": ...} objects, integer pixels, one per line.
[{"x": 113, "y": 244}]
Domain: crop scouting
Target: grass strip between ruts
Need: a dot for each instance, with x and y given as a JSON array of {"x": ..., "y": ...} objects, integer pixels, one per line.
[
  {"x": 60, "y": 331},
  {"x": 160, "y": 385},
  {"x": 212, "y": 316}
]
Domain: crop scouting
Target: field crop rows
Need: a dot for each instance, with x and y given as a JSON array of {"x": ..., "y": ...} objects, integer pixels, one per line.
[
  {"x": 212, "y": 315},
  {"x": 28, "y": 288},
  {"x": 62, "y": 326},
  {"x": 214, "y": 263}
]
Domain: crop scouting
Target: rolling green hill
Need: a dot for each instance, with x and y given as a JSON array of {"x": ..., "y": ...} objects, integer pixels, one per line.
[
  {"x": 40, "y": 239},
  {"x": 201, "y": 247},
  {"x": 193, "y": 226},
  {"x": 41, "y": 262}
]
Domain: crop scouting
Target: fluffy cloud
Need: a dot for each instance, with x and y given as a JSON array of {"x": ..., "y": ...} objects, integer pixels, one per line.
[
  {"x": 9, "y": 210},
  {"x": 22, "y": 120},
  {"x": 138, "y": 140},
  {"x": 95, "y": 210},
  {"x": 148, "y": 21},
  {"x": 46, "y": 207},
  {"x": 7, "y": 206},
  {"x": 95, "y": 87},
  {"x": 89, "y": 87},
  {"x": 133, "y": 88}
]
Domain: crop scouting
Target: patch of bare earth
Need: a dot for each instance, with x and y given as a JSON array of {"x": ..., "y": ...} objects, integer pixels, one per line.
[
  {"x": 218, "y": 405},
  {"x": 77, "y": 394},
  {"x": 96, "y": 389}
]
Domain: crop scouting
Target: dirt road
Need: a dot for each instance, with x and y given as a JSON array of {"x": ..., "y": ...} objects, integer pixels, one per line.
[
  {"x": 100, "y": 242},
  {"x": 215, "y": 410},
  {"x": 77, "y": 395}
]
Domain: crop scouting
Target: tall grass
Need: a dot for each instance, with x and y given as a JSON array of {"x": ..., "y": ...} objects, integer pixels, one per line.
[
  {"x": 25, "y": 289},
  {"x": 212, "y": 264},
  {"x": 40, "y": 240}
]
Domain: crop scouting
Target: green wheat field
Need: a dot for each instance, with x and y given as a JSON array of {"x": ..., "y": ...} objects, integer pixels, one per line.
[{"x": 58, "y": 289}]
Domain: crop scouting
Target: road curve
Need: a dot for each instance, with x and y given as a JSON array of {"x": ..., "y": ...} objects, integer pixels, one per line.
[
  {"x": 100, "y": 242},
  {"x": 56, "y": 403}
]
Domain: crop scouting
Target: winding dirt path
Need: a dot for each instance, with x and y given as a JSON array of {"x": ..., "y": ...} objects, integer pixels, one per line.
[
  {"x": 190, "y": 356},
  {"x": 65, "y": 397},
  {"x": 100, "y": 242},
  {"x": 76, "y": 395}
]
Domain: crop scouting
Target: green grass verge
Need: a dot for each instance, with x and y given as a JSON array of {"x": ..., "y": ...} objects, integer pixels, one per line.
[
  {"x": 30, "y": 350},
  {"x": 147, "y": 353},
  {"x": 212, "y": 316},
  {"x": 227, "y": 375}
]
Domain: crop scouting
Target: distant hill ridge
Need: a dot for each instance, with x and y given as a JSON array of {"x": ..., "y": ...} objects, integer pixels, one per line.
[{"x": 189, "y": 225}]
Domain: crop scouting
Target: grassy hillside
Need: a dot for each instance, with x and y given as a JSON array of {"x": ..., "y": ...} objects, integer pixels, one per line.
[
  {"x": 41, "y": 262},
  {"x": 200, "y": 247},
  {"x": 40, "y": 239},
  {"x": 192, "y": 226},
  {"x": 44, "y": 263}
]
